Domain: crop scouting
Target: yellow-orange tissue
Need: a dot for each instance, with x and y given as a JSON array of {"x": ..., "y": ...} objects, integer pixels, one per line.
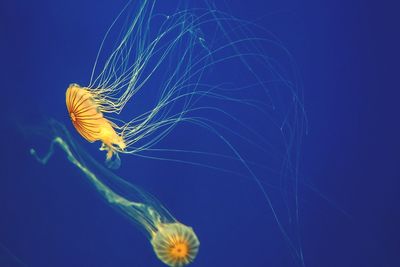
[
  {"x": 175, "y": 244},
  {"x": 86, "y": 116}
]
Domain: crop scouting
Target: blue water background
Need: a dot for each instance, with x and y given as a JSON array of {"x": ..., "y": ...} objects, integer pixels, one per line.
[{"x": 347, "y": 53}]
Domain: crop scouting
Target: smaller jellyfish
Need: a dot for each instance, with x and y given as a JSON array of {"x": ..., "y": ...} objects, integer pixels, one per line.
[{"x": 174, "y": 243}]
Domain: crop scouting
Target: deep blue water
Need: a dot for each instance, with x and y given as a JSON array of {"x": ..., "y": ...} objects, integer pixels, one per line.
[{"x": 347, "y": 55}]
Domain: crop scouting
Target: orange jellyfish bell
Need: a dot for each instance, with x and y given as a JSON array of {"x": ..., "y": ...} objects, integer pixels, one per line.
[
  {"x": 175, "y": 244},
  {"x": 87, "y": 118}
]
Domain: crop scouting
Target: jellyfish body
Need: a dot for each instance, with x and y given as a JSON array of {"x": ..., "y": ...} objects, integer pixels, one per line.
[
  {"x": 174, "y": 243},
  {"x": 85, "y": 112}
]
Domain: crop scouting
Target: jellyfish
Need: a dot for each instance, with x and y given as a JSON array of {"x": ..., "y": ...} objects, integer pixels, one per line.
[
  {"x": 174, "y": 243},
  {"x": 86, "y": 115},
  {"x": 224, "y": 79}
]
